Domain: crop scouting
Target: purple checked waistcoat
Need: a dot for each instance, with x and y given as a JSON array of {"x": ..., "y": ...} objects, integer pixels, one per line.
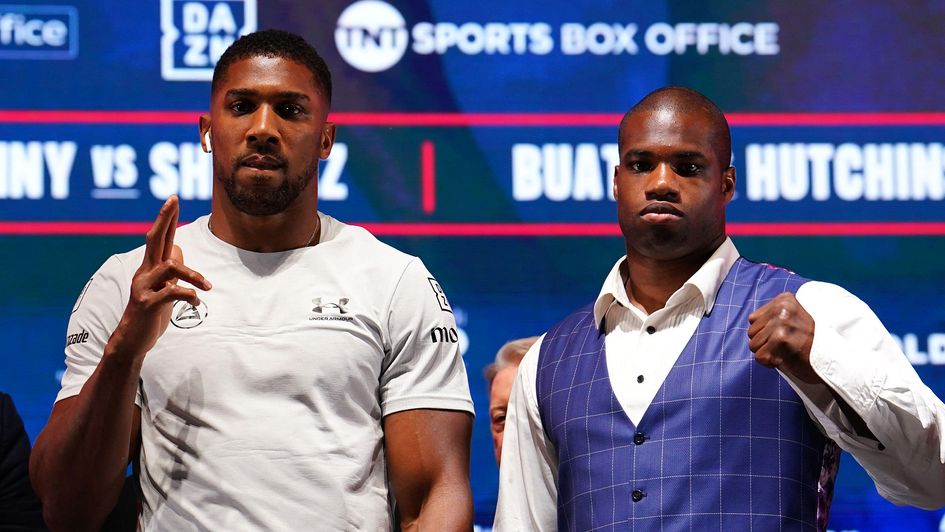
[{"x": 725, "y": 445}]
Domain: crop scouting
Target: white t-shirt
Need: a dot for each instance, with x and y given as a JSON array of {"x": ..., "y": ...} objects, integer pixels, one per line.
[{"x": 262, "y": 407}]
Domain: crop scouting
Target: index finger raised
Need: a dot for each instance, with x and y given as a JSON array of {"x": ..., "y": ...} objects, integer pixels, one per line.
[{"x": 155, "y": 248}]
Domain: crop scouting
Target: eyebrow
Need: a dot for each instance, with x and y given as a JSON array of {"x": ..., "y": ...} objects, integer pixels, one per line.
[
  {"x": 282, "y": 95},
  {"x": 637, "y": 153},
  {"x": 689, "y": 155},
  {"x": 685, "y": 155}
]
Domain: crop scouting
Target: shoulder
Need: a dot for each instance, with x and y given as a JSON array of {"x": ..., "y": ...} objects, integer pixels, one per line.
[
  {"x": 765, "y": 271},
  {"x": 563, "y": 333},
  {"x": 827, "y": 301},
  {"x": 119, "y": 268},
  {"x": 582, "y": 317},
  {"x": 353, "y": 239},
  {"x": 360, "y": 253}
]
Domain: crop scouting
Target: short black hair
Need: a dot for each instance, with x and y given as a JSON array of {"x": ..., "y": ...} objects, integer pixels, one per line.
[
  {"x": 275, "y": 43},
  {"x": 687, "y": 99}
]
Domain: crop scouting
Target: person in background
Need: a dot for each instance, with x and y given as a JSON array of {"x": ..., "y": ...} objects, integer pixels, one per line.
[
  {"x": 19, "y": 506},
  {"x": 500, "y": 375},
  {"x": 701, "y": 390}
]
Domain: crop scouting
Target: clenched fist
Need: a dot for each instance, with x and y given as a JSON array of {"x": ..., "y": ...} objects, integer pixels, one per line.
[{"x": 781, "y": 334}]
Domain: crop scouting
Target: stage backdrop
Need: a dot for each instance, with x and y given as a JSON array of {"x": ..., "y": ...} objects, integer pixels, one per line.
[{"x": 481, "y": 137}]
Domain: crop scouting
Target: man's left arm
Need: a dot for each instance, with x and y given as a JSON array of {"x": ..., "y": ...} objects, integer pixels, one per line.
[
  {"x": 426, "y": 406},
  {"x": 428, "y": 463},
  {"x": 859, "y": 386}
]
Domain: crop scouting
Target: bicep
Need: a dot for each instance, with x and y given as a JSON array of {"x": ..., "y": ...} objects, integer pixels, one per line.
[{"x": 426, "y": 448}]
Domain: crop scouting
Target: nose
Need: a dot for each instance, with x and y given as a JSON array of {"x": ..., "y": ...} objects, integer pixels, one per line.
[
  {"x": 264, "y": 128},
  {"x": 661, "y": 184}
]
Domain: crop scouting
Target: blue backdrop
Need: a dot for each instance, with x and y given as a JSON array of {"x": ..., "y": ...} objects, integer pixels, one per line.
[{"x": 481, "y": 137}]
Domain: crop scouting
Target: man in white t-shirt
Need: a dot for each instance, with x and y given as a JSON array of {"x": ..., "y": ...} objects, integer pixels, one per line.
[{"x": 267, "y": 367}]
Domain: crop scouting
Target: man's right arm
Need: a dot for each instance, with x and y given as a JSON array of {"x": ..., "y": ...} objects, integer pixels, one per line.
[
  {"x": 78, "y": 462},
  {"x": 528, "y": 476}
]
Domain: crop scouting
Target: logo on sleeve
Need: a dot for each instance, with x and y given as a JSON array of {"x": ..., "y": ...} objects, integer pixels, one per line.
[
  {"x": 440, "y": 295},
  {"x": 444, "y": 334},
  {"x": 187, "y": 316},
  {"x": 82, "y": 295},
  {"x": 77, "y": 338}
]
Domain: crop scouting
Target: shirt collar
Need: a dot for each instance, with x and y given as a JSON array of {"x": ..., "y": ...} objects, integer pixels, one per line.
[{"x": 706, "y": 282}]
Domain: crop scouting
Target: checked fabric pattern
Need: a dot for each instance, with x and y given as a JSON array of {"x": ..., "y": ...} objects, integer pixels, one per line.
[{"x": 725, "y": 445}]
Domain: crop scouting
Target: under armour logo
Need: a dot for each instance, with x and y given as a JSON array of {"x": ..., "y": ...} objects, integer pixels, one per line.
[{"x": 330, "y": 305}]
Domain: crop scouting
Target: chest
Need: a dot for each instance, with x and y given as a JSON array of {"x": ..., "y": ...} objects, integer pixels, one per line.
[{"x": 298, "y": 332}]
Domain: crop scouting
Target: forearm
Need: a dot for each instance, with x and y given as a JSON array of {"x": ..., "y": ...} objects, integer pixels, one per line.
[
  {"x": 447, "y": 507},
  {"x": 890, "y": 422},
  {"x": 908, "y": 461},
  {"x": 79, "y": 460},
  {"x": 868, "y": 379}
]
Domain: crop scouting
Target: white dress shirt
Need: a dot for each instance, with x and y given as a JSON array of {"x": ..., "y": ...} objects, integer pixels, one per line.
[{"x": 852, "y": 353}]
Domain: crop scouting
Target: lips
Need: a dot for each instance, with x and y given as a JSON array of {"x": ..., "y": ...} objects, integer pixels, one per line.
[
  {"x": 262, "y": 162},
  {"x": 661, "y": 212}
]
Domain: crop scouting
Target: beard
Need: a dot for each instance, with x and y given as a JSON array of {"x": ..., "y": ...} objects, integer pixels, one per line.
[{"x": 262, "y": 200}]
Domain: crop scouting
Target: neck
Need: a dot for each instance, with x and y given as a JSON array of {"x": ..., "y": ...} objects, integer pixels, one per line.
[
  {"x": 294, "y": 228},
  {"x": 651, "y": 281}
]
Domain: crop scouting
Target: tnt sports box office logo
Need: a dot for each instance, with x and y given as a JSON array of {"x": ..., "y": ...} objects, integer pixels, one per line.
[
  {"x": 39, "y": 32},
  {"x": 196, "y": 33},
  {"x": 372, "y": 36}
]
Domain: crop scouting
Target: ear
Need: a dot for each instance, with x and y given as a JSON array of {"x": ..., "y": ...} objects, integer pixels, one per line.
[
  {"x": 616, "y": 170},
  {"x": 728, "y": 183},
  {"x": 205, "y": 133},
  {"x": 327, "y": 140}
]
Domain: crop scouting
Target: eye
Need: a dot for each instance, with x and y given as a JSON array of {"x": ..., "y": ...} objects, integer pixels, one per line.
[
  {"x": 241, "y": 107},
  {"x": 639, "y": 166},
  {"x": 289, "y": 110},
  {"x": 688, "y": 169}
]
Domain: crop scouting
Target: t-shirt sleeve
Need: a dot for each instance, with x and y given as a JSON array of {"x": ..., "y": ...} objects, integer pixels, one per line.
[
  {"x": 94, "y": 318},
  {"x": 424, "y": 368}
]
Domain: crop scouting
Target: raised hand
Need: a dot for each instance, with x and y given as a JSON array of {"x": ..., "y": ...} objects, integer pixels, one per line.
[
  {"x": 781, "y": 334},
  {"x": 154, "y": 287}
]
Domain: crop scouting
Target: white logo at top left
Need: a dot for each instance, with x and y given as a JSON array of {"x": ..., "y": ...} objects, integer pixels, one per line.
[{"x": 195, "y": 34}]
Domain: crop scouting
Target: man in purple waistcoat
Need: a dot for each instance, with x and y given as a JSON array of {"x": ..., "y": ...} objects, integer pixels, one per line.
[{"x": 700, "y": 390}]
